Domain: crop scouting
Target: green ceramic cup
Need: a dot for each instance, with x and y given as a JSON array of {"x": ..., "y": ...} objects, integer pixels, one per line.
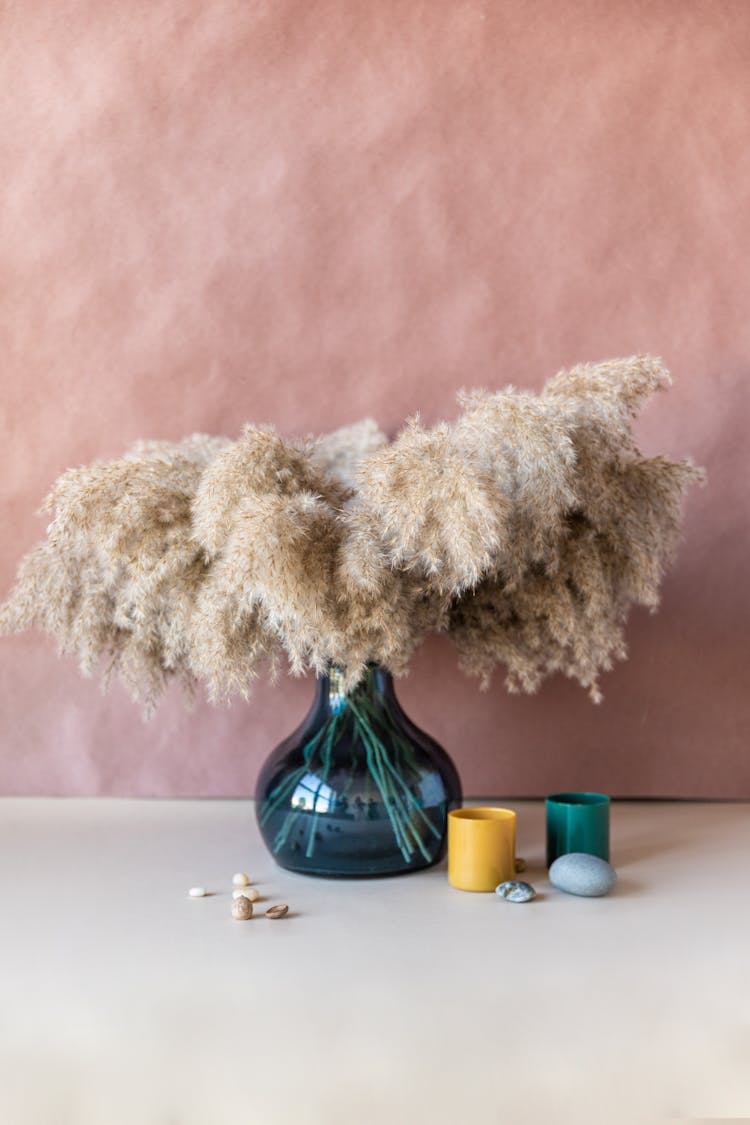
[{"x": 577, "y": 822}]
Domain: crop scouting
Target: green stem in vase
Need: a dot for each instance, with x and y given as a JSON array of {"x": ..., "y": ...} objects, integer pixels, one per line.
[
  {"x": 396, "y": 813},
  {"x": 404, "y": 747},
  {"x": 277, "y": 796},
  {"x": 332, "y": 737},
  {"x": 369, "y": 742}
]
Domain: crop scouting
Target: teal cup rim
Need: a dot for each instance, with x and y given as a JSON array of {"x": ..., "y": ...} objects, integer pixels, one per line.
[{"x": 581, "y": 800}]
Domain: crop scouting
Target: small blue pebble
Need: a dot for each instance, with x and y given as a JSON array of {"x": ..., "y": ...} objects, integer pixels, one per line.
[
  {"x": 516, "y": 892},
  {"x": 581, "y": 874}
]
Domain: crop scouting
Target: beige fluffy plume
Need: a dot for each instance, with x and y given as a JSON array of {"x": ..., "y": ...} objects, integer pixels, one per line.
[{"x": 524, "y": 530}]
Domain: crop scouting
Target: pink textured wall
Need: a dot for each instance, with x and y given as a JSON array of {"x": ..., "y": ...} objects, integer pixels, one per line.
[{"x": 305, "y": 212}]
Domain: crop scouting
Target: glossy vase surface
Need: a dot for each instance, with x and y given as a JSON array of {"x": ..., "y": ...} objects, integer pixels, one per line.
[{"x": 357, "y": 790}]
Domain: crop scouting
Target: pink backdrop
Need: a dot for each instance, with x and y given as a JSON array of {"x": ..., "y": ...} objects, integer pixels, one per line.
[{"x": 306, "y": 212}]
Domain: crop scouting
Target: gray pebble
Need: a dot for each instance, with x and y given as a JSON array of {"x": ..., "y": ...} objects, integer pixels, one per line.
[
  {"x": 581, "y": 874},
  {"x": 516, "y": 892}
]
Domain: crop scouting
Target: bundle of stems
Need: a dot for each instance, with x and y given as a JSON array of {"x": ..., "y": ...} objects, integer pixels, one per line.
[{"x": 359, "y": 725}]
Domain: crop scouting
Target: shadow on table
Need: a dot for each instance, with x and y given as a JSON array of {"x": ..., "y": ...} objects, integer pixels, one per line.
[{"x": 637, "y": 853}]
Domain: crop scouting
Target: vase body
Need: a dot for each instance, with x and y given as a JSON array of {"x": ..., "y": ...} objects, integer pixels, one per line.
[{"x": 357, "y": 790}]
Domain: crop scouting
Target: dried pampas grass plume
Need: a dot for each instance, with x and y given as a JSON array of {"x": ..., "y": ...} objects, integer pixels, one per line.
[{"x": 524, "y": 530}]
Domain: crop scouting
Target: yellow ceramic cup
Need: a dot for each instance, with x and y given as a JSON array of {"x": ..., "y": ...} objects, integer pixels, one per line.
[{"x": 481, "y": 848}]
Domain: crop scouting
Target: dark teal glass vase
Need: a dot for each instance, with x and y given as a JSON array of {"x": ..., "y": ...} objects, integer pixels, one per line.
[{"x": 357, "y": 790}]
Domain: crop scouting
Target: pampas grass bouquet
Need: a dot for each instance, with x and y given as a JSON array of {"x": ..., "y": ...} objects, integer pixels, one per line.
[{"x": 523, "y": 531}]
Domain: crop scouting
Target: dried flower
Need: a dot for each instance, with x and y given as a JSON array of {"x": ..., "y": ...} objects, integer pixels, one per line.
[{"x": 524, "y": 530}]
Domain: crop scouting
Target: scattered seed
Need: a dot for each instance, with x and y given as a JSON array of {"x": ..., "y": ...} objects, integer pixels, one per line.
[
  {"x": 248, "y": 892},
  {"x": 242, "y": 909},
  {"x": 240, "y": 879},
  {"x": 197, "y": 892},
  {"x": 277, "y": 911},
  {"x": 520, "y": 865}
]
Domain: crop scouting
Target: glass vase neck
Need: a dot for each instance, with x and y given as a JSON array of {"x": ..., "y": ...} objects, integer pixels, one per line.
[{"x": 332, "y": 694}]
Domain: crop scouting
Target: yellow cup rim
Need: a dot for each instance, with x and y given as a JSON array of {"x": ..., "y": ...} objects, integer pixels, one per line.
[{"x": 486, "y": 815}]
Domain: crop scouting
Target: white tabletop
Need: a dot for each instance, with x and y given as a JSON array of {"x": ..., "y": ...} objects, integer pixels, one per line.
[{"x": 396, "y": 1000}]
